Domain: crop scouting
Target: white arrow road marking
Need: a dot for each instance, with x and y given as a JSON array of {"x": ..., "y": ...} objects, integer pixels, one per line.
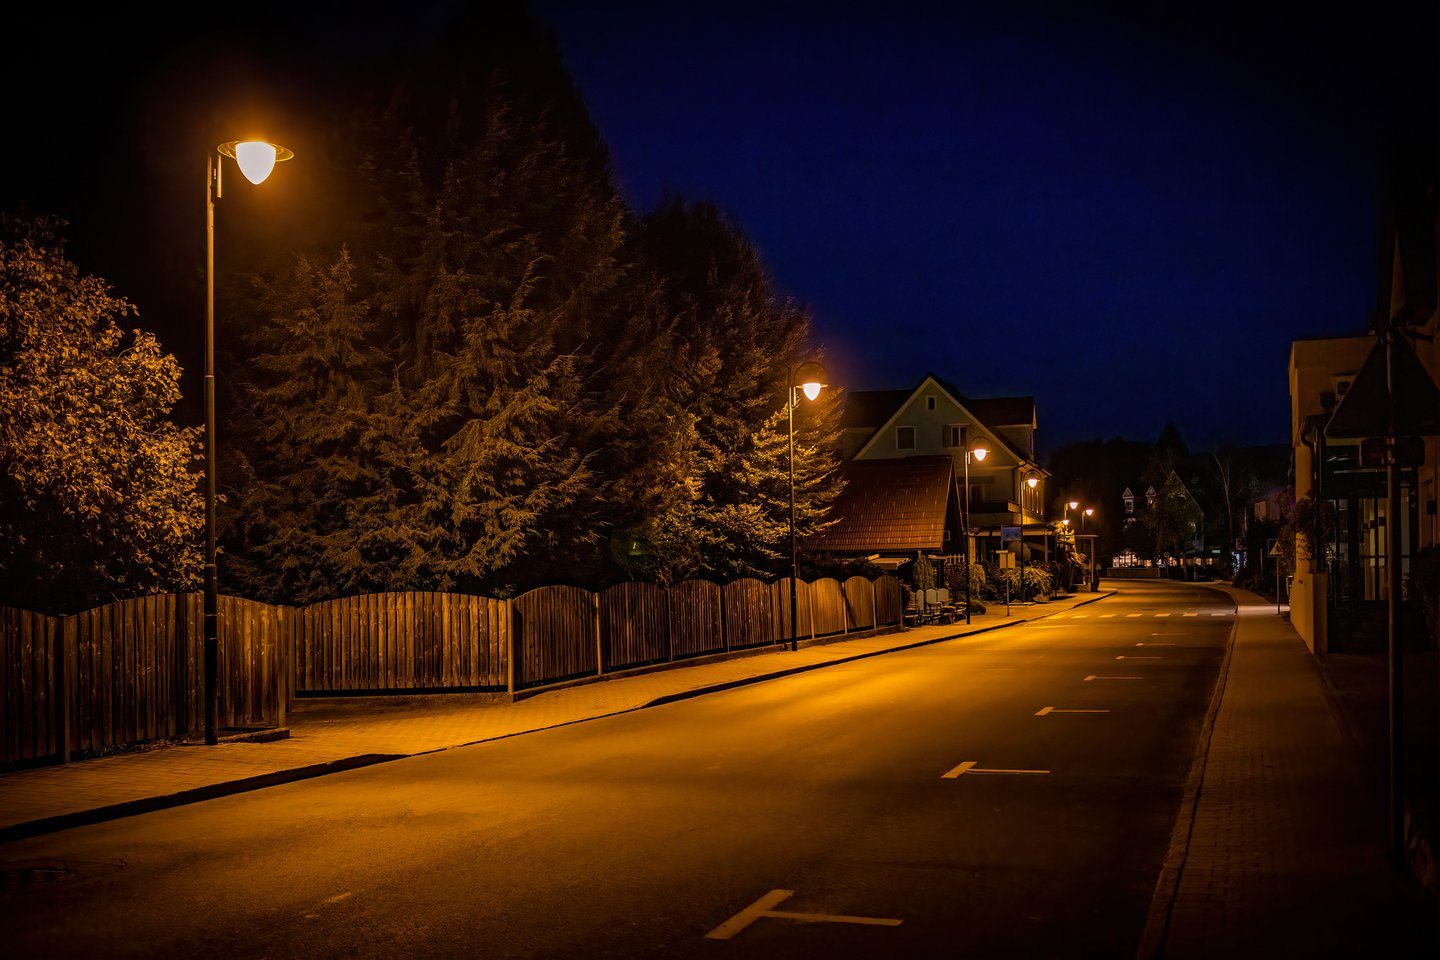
[
  {"x": 1046, "y": 711},
  {"x": 1094, "y": 677},
  {"x": 764, "y": 908},
  {"x": 969, "y": 766},
  {"x": 1123, "y": 657}
]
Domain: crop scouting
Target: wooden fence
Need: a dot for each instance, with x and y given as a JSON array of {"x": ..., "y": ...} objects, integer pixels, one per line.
[{"x": 132, "y": 671}]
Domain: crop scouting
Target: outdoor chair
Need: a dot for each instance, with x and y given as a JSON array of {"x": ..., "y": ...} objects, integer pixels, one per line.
[{"x": 939, "y": 609}]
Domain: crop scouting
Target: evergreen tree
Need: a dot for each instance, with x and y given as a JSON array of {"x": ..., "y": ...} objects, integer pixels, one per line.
[
  {"x": 313, "y": 485},
  {"x": 99, "y": 497},
  {"x": 731, "y": 345}
]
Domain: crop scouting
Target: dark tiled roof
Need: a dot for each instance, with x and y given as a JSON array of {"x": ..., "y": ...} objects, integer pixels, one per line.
[
  {"x": 871, "y": 408},
  {"x": 890, "y": 506},
  {"x": 1003, "y": 411}
]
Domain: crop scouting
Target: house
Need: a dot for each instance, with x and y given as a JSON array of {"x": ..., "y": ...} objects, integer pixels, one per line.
[
  {"x": 1180, "y": 518},
  {"x": 907, "y": 475},
  {"x": 1339, "y": 406}
]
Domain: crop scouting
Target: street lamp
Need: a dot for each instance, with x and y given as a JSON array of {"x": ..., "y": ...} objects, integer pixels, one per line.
[
  {"x": 1032, "y": 482},
  {"x": 979, "y": 451},
  {"x": 256, "y": 158},
  {"x": 809, "y": 379},
  {"x": 1089, "y": 512}
]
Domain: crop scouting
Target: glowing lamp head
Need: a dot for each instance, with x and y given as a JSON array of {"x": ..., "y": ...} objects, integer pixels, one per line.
[
  {"x": 1089, "y": 511},
  {"x": 980, "y": 451},
  {"x": 256, "y": 158},
  {"x": 811, "y": 389},
  {"x": 1033, "y": 482},
  {"x": 1074, "y": 504},
  {"x": 1065, "y": 522}
]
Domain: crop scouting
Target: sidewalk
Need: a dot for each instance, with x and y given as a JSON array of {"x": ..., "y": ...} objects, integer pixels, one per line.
[
  {"x": 329, "y": 735},
  {"x": 1281, "y": 845}
]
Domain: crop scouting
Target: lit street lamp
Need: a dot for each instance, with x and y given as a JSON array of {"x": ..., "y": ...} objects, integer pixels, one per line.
[
  {"x": 979, "y": 451},
  {"x": 810, "y": 387},
  {"x": 1089, "y": 512},
  {"x": 1032, "y": 482},
  {"x": 256, "y": 158}
]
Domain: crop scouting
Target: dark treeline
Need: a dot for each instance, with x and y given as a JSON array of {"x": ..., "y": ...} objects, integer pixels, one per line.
[{"x": 484, "y": 371}]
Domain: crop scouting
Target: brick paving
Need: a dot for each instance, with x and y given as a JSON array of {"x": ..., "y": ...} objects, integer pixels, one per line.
[
  {"x": 1280, "y": 846},
  {"x": 330, "y": 734},
  {"x": 1286, "y": 853}
]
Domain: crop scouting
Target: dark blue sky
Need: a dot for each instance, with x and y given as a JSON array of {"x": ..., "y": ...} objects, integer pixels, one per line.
[
  {"x": 1128, "y": 214},
  {"x": 1130, "y": 219}
]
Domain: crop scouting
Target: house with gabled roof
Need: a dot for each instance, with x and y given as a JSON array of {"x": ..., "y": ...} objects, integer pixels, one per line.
[{"x": 903, "y": 459}]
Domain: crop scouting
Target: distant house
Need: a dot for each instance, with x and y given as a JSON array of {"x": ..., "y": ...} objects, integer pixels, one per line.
[
  {"x": 1175, "y": 507},
  {"x": 905, "y": 469}
]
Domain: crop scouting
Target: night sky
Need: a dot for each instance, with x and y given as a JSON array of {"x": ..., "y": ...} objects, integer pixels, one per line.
[{"x": 1128, "y": 217}]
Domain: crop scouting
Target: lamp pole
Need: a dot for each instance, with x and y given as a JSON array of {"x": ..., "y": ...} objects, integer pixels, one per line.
[
  {"x": 256, "y": 158},
  {"x": 980, "y": 452},
  {"x": 1032, "y": 482},
  {"x": 811, "y": 389}
]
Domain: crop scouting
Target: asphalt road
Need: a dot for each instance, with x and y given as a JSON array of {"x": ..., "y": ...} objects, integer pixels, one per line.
[{"x": 676, "y": 831}]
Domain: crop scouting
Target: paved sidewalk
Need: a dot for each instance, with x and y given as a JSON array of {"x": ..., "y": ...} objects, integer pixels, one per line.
[
  {"x": 331, "y": 735},
  {"x": 1281, "y": 846}
]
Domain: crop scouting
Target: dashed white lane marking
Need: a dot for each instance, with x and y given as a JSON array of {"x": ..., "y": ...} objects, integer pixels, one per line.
[
  {"x": 764, "y": 907},
  {"x": 1106, "y": 616},
  {"x": 1046, "y": 711},
  {"x": 1189, "y": 614},
  {"x": 1094, "y": 677},
  {"x": 1162, "y": 615},
  {"x": 1124, "y": 657},
  {"x": 1142, "y": 643},
  {"x": 969, "y": 766},
  {"x": 1133, "y": 615}
]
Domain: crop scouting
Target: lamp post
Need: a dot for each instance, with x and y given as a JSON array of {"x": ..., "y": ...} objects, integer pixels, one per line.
[
  {"x": 979, "y": 451},
  {"x": 1032, "y": 482},
  {"x": 811, "y": 388},
  {"x": 256, "y": 158}
]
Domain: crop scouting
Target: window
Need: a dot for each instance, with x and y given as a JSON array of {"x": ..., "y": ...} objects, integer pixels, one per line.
[
  {"x": 929, "y": 403},
  {"x": 952, "y": 435},
  {"x": 905, "y": 438}
]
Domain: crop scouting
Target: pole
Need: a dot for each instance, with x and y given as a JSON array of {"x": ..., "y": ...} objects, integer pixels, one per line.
[
  {"x": 211, "y": 626},
  {"x": 1396, "y": 654},
  {"x": 794, "y": 559},
  {"x": 967, "y": 531}
]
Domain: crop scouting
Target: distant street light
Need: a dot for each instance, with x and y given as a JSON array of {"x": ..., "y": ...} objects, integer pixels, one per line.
[
  {"x": 1089, "y": 512},
  {"x": 256, "y": 158},
  {"x": 811, "y": 386},
  {"x": 979, "y": 451}
]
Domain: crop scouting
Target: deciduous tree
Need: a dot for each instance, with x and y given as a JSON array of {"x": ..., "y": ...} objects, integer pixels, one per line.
[{"x": 98, "y": 488}]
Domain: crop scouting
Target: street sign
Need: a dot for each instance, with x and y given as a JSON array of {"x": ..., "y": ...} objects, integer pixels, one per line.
[
  {"x": 1007, "y": 560},
  {"x": 1275, "y": 548},
  {"x": 1375, "y": 451},
  {"x": 1007, "y": 534}
]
